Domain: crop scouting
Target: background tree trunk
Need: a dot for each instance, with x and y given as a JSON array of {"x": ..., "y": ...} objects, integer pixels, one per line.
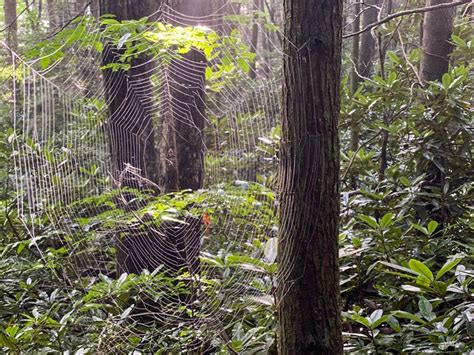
[
  {"x": 437, "y": 31},
  {"x": 254, "y": 38},
  {"x": 355, "y": 78},
  {"x": 308, "y": 294},
  {"x": 367, "y": 41},
  {"x": 11, "y": 32}
]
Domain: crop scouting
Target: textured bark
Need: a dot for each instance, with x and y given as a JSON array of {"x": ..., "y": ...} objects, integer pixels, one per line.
[
  {"x": 437, "y": 31},
  {"x": 131, "y": 131},
  {"x": 11, "y": 31},
  {"x": 367, "y": 41},
  {"x": 308, "y": 292},
  {"x": 182, "y": 142}
]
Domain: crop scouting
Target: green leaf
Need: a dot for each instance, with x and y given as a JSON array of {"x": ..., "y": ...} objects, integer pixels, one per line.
[
  {"x": 361, "y": 320},
  {"x": 420, "y": 228},
  {"x": 398, "y": 267},
  {"x": 208, "y": 73},
  {"x": 449, "y": 265},
  {"x": 432, "y": 227},
  {"x": 387, "y": 220},
  {"x": 446, "y": 80},
  {"x": 394, "y": 324},
  {"x": 458, "y": 40},
  {"x": 426, "y": 309},
  {"x": 421, "y": 269},
  {"x": 407, "y": 315},
  {"x": 44, "y": 62},
  {"x": 243, "y": 65},
  {"x": 393, "y": 57},
  {"x": 370, "y": 221},
  {"x": 379, "y": 321}
]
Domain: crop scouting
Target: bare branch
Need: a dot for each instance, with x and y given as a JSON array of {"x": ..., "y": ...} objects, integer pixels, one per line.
[{"x": 405, "y": 13}]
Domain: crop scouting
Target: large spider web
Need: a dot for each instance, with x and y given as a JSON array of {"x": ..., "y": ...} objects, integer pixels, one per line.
[{"x": 66, "y": 178}]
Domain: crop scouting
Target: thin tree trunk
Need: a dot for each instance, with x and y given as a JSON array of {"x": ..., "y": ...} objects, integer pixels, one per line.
[
  {"x": 437, "y": 31},
  {"x": 308, "y": 293},
  {"x": 254, "y": 39},
  {"x": 355, "y": 78},
  {"x": 367, "y": 41},
  {"x": 52, "y": 9},
  {"x": 11, "y": 31}
]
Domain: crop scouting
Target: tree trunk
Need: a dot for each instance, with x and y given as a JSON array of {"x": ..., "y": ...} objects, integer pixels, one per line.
[
  {"x": 11, "y": 32},
  {"x": 367, "y": 41},
  {"x": 131, "y": 130},
  {"x": 182, "y": 142},
  {"x": 308, "y": 293},
  {"x": 254, "y": 39},
  {"x": 437, "y": 31},
  {"x": 51, "y": 6},
  {"x": 355, "y": 78}
]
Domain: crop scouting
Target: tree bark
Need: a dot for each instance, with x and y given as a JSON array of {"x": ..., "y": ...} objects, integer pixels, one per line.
[
  {"x": 437, "y": 31},
  {"x": 181, "y": 139},
  {"x": 367, "y": 41},
  {"x": 131, "y": 131},
  {"x": 11, "y": 31},
  {"x": 308, "y": 293}
]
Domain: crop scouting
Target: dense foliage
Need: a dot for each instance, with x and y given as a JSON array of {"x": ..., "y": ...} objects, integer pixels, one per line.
[{"x": 406, "y": 242}]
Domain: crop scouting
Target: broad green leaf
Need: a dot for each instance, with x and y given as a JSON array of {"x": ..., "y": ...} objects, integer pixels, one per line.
[
  {"x": 449, "y": 265},
  {"x": 380, "y": 321},
  {"x": 361, "y": 320},
  {"x": 458, "y": 40},
  {"x": 243, "y": 65},
  {"x": 432, "y": 226},
  {"x": 370, "y": 221},
  {"x": 421, "y": 269},
  {"x": 407, "y": 315},
  {"x": 394, "y": 324},
  {"x": 398, "y": 267},
  {"x": 420, "y": 228},
  {"x": 426, "y": 309},
  {"x": 387, "y": 220},
  {"x": 446, "y": 80}
]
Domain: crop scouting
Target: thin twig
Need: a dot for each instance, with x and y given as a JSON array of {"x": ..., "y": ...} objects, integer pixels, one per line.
[
  {"x": 410, "y": 64},
  {"x": 405, "y": 13}
]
